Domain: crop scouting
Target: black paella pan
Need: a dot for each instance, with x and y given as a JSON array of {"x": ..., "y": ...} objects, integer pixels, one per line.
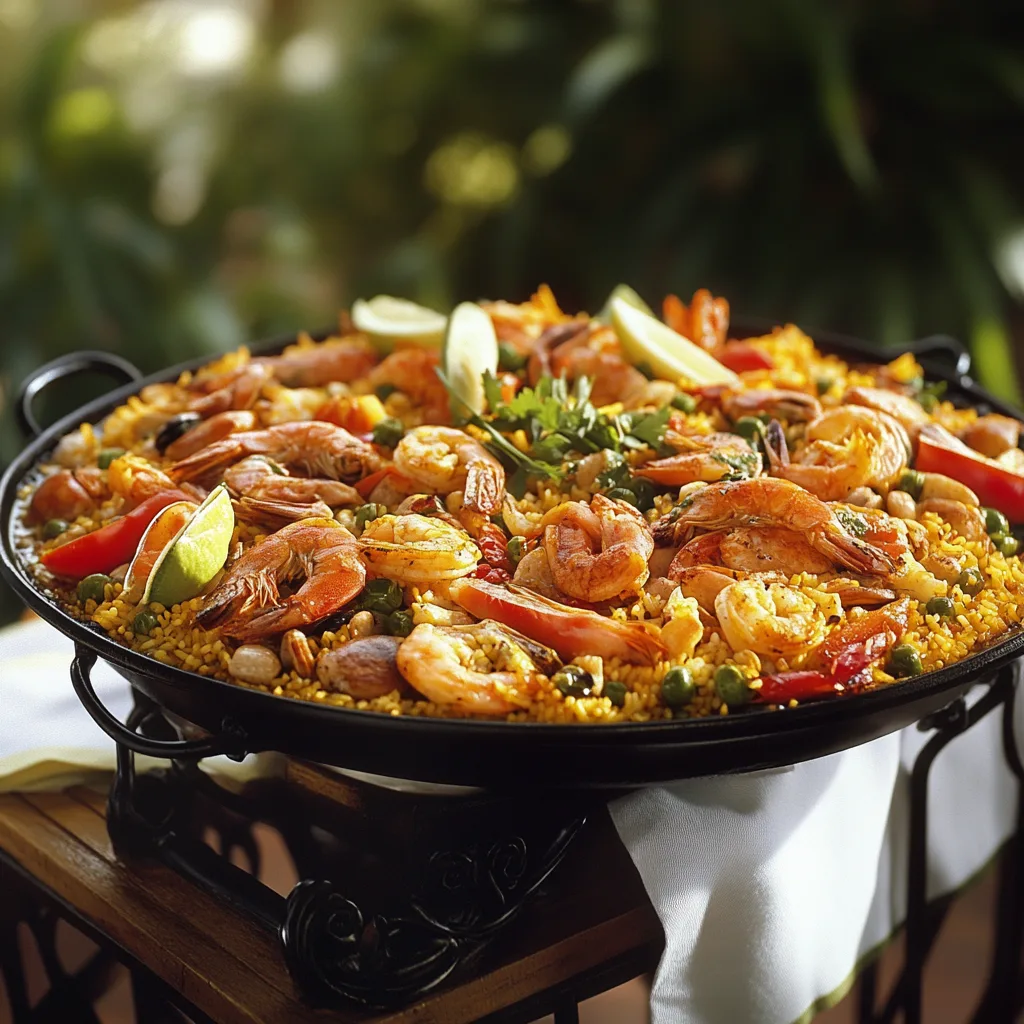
[{"x": 464, "y": 751}]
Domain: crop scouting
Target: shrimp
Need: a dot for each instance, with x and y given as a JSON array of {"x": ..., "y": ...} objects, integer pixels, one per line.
[
  {"x": 790, "y": 406},
  {"x": 261, "y": 478},
  {"x": 534, "y": 573},
  {"x": 707, "y": 457},
  {"x": 773, "y": 619},
  {"x": 705, "y": 321},
  {"x": 312, "y": 366},
  {"x": 753, "y": 549},
  {"x": 320, "y": 449},
  {"x": 443, "y": 459},
  {"x": 413, "y": 371},
  {"x": 67, "y": 494},
  {"x": 237, "y": 389},
  {"x": 598, "y": 552},
  {"x": 993, "y": 435},
  {"x": 571, "y": 632},
  {"x": 417, "y": 549},
  {"x": 279, "y": 513},
  {"x": 135, "y": 479},
  {"x": 553, "y": 337},
  {"x": 318, "y": 554},
  {"x": 772, "y": 502},
  {"x": 967, "y": 520},
  {"x": 484, "y": 668},
  {"x": 703, "y": 583},
  {"x": 216, "y": 428},
  {"x": 847, "y": 447},
  {"x": 901, "y": 408},
  {"x": 596, "y": 354}
]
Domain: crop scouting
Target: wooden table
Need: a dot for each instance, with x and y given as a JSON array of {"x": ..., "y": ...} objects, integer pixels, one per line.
[{"x": 593, "y": 928}]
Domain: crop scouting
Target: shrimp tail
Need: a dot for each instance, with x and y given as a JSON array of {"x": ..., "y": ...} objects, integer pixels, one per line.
[
  {"x": 235, "y": 596},
  {"x": 854, "y": 553},
  {"x": 206, "y": 460},
  {"x": 259, "y": 510},
  {"x": 485, "y": 488}
]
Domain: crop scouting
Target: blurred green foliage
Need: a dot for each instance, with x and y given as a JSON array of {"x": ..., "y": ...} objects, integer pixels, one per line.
[{"x": 177, "y": 177}]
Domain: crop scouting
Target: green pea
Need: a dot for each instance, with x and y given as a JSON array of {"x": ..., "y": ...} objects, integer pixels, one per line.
[
  {"x": 616, "y": 692},
  {"x": 995, "y": 521},
  {"x": 904, "y": 661},
  {"x": 388, "y": 432},
  {"x": 677, "y": 687},
  {"x": 941, "y": 606},
  {"x": 1008, "y": 545},
  {"x": 823, "y": 384},
  {"x": 367, "y": 513},
  {"x": 144, "y": 623},
  {"x": 748, "y": 427},
  {"x": 92, "y": 587},
  {"x": 622, "y": 494},
  {"x": 911, "y": 481},
  {"x": 384, "y": 391},
  {"x": 971, "y": 582},
  {"x": 384, "y": 596},
  {"x": 54, "y": 528},
  {"x": 399, "y": 623},
  {"x": 509, "y": 358},
  {"x": 927, "y": 401},
  {"x": 731, "y": 686},
  {"x": 573, "y": 681},
  {"x": 684, "y": 402},
  {"x": 516, "y": 549},
  {"x": 107, "y": 456}
]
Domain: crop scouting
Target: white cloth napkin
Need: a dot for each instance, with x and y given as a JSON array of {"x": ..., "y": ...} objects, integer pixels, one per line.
[{"x": 770, "y": 886}]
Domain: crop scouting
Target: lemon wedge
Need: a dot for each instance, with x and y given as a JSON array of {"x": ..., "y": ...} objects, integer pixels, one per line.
[
  {"x": 629, "y": 296},
  {"x": 470, "y": 350},
  {"x": 669, "y": 354},
  {"x": 193, "y": 557},
  {"x": 387, "y": 320}
]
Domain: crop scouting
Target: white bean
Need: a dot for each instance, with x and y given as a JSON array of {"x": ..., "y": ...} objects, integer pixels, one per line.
[
  {"x": 253, "y": 663},
  {"x": 864, "y": 497},
  {"x": 936, "y": 485},
  {"x": 362, "y": 624},
  {"x": 901, "y": 505}
]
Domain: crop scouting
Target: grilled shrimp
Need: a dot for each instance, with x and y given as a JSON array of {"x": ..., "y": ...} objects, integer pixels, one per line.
[
  {"x": 261, "y": 478},
  {"x": 847, "y": 447},
  {"x": 752, "y": 549},
  {"x": 317, "y": 554},
  {"x": 789, "y": 406},
  {"x": 276, "y": 514},
  {"x": 413, "y": 372},
  {"x": 417, "y": 549},
  {"x": 705, "y": 321},
  {"x": 312, "y": 366},
  {"x": 772, "y": 502},
  {"x": 596, "y": 354},
  {"x": 485, "y": 668},
  {"x": 443, "y": 459},
  {"x": 207, "y": 431},
  {"x": 993, "y": 435},
  {"x": 237, "y": 389},
  {"x": 319, "y": 449},
  {"x": 773, "y": 619},
  {"x": 901, "y": 408},
  {"x": 598, "y": 552},
  {"x": 569, "y": 631},
  {"x": 135, "y": 479},
  {"x": 67, "y": 494},
  {"x": 707, "y": 457}
]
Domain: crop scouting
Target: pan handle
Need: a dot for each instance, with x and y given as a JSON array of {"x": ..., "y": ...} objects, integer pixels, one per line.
[
  {"x": 81, "y": 667},
  {"x": 945, "y": 348},
  {"x": 63, "y": 366}
]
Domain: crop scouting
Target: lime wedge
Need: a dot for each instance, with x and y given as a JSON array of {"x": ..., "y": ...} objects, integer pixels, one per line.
[
  {"x": 195, "y": 555},
  {"x": 387, "y": 320},
  {"x": 161, "y": 531},
  {"x": 629, "y": 296},
  {"x": 669, "y": 354},
  {"x": 470, "y": 350}
]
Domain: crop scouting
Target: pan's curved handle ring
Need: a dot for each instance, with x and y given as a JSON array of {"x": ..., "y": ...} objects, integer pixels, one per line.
[
  {"x": 81, "y": 668},
  {"x": 945, "y": 348},
  {"x": 56, "y": 369}
]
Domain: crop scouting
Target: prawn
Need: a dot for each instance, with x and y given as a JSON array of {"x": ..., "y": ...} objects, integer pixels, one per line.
[
  {"x": 484, "y": 668},
  {"x": 417, "y": 549},
  {"x": 319, "y": 449},
  {"x": 413, "y": 371},
  {"x": 790, "y": 406},
  {"x": 135, "y": 479},
  {"x": 595, "y": 353},
  {"x": 318, "y": 554},
  {"x": 901, "y": 408},
  {"x": 68, "y": 494},
  {"x": 571, "y": 632},
  {"x": 598, "y": 552},
  {"x": 262, "y": 478},
  {"x": 707, "y": 457},
  {"x": 205, "y": 432},
  {"x": 705, "y": 321},
  {"x": 443, "y": 460},
  {"x": 753, "y": 549},
  {"x": 769, "y": 501},
  {"x": 237, "y": 389},
  {"x": 279, "y": 513},
  {"x": 312, "y": 366},
  {"x": 773, "y": 619}
]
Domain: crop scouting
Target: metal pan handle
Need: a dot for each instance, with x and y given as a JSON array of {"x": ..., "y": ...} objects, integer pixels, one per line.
[
  {"x": 945, "y": 348},
  {"x": 56, "y": 369},
  {"x": 81, "y": 668}
]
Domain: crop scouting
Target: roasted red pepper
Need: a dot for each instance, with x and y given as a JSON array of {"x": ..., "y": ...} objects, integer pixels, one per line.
[
  {"x": 994, "y": 484},
  {"x": 741, "y": 356},
  {"x": 111, "y": 545},
  {"x": 366, "y": 485}
]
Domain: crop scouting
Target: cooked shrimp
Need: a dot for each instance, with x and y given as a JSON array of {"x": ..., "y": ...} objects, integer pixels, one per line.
[
  {"x": 312, "y": 366},
  {"x": 484, "y": 668},
  {"x": 551, "y": 338},
  {"x": 789, "y": 406},
  {"x": 967, "y": 520},
  {"x": 773, "y": 619},
  {"x": 596, "y": 354},
  {"x": 992, "y": 435},
  {"x": 443, "y": 460},
  {"x": 135, "y": 479},
  {"x": 279, "y": 513},
  {"x": 708, "y": 457},
  {"x": 534, "y": 573},
  {"x": 262, "y": 478},
  {"x": 319, "y": 449},
  {"x": 705, "y": 321},
  {"x": 417, "y": 549},
  {"x": 902, "y": 408},
  {"x": 317, "y": 554},
  {"x": 238, "y": 389},
  {"x": 67, "y": 494},
  {"x": 771, "y": 502},
  {"x": 703, "y": 583},
  {"x": 413, "y": 372},
  {"x": 598, "y": 552},
  {"x": 753, "y": 549},
  {"x": 847, "y": 447},
  {"x": 571, "y": 632},
  {"x": 204, "y": 433}
]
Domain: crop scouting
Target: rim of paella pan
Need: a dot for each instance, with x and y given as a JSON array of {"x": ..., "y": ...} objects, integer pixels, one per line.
[{"x": 740, "y": 725}]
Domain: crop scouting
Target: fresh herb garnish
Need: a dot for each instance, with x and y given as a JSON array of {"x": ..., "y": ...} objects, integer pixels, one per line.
[
  {"x": 852, "y": 521},
  {"x": 930, "y": 395}
]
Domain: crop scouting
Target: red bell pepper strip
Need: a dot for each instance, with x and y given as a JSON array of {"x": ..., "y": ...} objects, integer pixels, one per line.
[
  {"x": 993, "y": 483},
  {"x": 111, "y": 545},
  {"x": 368, "y": 483},
  {"x": 741, "y": 356}
]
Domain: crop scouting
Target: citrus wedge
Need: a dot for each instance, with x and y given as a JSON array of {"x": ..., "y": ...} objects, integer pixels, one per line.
[
  {"x": 387, "y": 320},
  {"x": 160, "y": 532},
  {"x": 195, "y": 555},
  {"x": 669, "y": 354},
  {"x": 629, "y": 296},
  {"x": 470, "y": 350}
]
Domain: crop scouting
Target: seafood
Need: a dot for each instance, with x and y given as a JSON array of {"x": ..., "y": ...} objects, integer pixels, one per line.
[
  {"x": 413, "y": 371},
  {"x": 443, "y": 460},
  {"x": 707, "y": 457},
  {"x": 993, "y": 435},
  {"x": 277, "y": 513},
  {"x": 215, "y": 428},
  {"x": 318, "y": 555},
  {"x": 705, "y": 321},
  {"x": 364, "y": 668},
  {"x": 238, "y": 389},
  {"x": 309, "y": 366},
  {"x": 135, "y": 478},
  {"x": 263, "y": 479},
  {"x": 417, "y": 549},
  {"x": 753, "y": 549},
  {"x": 902, "y": 408},
  {"x": 790, "y": 406},
  {"x": 67, "y": 494}
]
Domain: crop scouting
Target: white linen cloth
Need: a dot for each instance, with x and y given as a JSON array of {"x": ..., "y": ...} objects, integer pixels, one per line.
[{"x": 770, "y": 886}]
